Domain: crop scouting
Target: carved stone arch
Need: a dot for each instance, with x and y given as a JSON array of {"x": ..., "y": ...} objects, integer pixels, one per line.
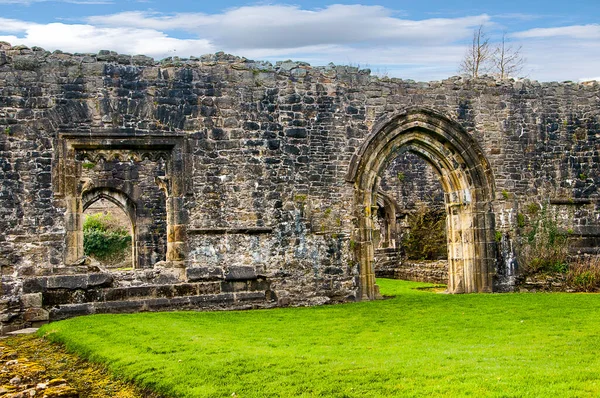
[
  {"x": 121, "y": 200},
  {"x": 468, "y": 184},
  {"x": 115, "y": 196}
]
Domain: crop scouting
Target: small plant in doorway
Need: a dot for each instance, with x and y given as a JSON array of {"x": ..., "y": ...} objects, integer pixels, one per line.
[
  {"x": 103, "y": 238},
  {"x": 427, "y": 237}
]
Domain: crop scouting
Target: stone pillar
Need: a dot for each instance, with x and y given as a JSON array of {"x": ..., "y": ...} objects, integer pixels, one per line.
[{"x": 176, "y": 229}]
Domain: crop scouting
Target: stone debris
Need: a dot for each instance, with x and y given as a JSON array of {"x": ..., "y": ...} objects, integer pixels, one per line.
[{"x": 21, "y": 378}]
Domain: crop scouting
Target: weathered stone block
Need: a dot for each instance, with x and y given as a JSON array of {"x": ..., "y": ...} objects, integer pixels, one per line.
[
  {"x": 141, "y": 291},
  {"x": 217, "y": 299},
  {"x": 100, "y": 280},
  {"x": 185, "y": 289},
  {"x": 164, "y": 291},
  {"x": 250, "y": 296},
  {"x": 34, "y": 285},
  {"x": 32, "y": 300},
  {"x": 67, "y": 282},
  {"x": 259, "y": 284},
  {"x": 116, "y": 307},
  {"x": 209, "y": 288},
  {"x": 70, "y": 310},
  {"x": 240, "y": 273},
  {"x": 115, "y": 294},
  {"x": 36, "y": 315},
  {"x": 203, "y": 273},
  {"x": 170, "y": 276}
]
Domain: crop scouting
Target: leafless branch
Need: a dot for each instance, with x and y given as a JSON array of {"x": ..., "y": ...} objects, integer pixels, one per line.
[
  {"x": 477, "y": 55},
  {"x": 507, "y": 60}
]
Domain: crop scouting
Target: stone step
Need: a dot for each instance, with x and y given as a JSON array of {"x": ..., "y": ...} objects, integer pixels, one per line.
[{"x": 238, "y": 300}]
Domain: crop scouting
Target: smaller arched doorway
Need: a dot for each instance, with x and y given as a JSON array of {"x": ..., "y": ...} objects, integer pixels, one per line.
[
  {"x": 110, "y": 206},
  {"x": 466, "y": 179}
]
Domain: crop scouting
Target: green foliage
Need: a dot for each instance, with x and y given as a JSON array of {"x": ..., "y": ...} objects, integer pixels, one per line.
[
  {"x": 401, "y": 176},
  {"x": 505, "y": 194},
  {"x": 88, "y": 165},
  {"x": 544, "y": 248},
  {"x": 416, "y": 344},
  {"x": 498, "y": 236},
  {"x": 7, "y": 131},
  {"x": 102, "y": 238},
  {"x": 427, "y": 237},
  {"x": 533, "y": 208},
  {"x": 520, "y": 220},
  {"x": 300, "y": 198}
]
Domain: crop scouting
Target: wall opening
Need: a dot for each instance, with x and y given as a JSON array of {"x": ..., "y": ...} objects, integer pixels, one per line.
[
  {"x": 467, "y": 183},
  {"x": 109, "y": 234},
  {"x": 411, "y": 242},
  {"x": 141, "y": 173}
]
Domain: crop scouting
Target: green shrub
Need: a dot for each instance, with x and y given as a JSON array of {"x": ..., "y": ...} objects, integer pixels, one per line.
[
  {"x": 103, "y": 238},
  {"x": 544, "y": 248},
  {"x": 427, "y": 237}
]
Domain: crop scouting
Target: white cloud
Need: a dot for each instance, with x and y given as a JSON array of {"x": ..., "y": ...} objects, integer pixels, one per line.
[
  {"x": 591, "y": 31},
  {"x": 280, "y": 26},
  {"x": 561, "y": 53},
  {"x": 14, "y": 25},
  {"x": 88, "y": 38}
]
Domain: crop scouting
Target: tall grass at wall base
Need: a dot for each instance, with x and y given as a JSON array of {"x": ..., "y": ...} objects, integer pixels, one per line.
[
  {"x": 416, "y": 344},
  {"x": 583, "y": 274}
]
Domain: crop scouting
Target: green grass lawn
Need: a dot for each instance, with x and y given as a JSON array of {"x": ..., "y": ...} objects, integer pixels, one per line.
[{"x": 414, "y": 345}]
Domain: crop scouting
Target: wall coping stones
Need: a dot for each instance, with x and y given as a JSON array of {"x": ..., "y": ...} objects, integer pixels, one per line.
[{"x": 286, "y": 68}]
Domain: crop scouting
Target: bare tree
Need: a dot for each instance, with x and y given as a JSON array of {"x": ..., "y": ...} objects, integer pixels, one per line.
[
  {"x": 477, "y": 55},
  {"x": 506, "y": 59}
]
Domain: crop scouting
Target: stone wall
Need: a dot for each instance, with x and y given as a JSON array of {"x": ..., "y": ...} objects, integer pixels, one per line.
[
  {"x": 390, "y": 264},
  {"x": 258, "y": 209},
  {"x": 410, "y": 180}
]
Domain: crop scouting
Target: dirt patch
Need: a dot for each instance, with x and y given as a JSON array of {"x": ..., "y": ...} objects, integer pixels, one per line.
[{"x": 34, "y": 367}]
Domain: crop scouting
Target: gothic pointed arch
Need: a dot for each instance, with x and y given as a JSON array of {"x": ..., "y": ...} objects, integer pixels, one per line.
[{"x": 465, "y": 176}]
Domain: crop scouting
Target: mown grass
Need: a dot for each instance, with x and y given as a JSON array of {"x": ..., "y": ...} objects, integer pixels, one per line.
[{"x": 417, "y": 344}]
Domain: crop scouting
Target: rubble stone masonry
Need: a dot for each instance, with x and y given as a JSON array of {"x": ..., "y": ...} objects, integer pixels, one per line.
[{"x": 251, "y": 185}]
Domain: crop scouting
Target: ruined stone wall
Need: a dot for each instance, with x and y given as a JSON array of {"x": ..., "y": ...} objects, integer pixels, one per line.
[
  {"x": 409, "y": 180},
  {"x": 261, "y": 210}
]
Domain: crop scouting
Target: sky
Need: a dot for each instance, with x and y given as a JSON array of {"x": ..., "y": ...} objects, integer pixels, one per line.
[{"x": 419, "y": 40}]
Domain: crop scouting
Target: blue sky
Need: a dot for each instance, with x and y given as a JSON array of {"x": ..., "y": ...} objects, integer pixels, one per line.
[{"x": 420, "y": 40}]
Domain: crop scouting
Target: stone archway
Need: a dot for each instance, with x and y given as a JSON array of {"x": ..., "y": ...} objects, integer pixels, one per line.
[
  {"x": 161, "y": 160},
  {"x": 466, "y": 178},
  {"x": 121, "y": 200}
]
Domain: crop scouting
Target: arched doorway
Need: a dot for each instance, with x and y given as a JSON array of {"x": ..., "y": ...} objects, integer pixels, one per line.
[
  {"x": 120, "y": 201},
  {"x": 468, "y": 186}
]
